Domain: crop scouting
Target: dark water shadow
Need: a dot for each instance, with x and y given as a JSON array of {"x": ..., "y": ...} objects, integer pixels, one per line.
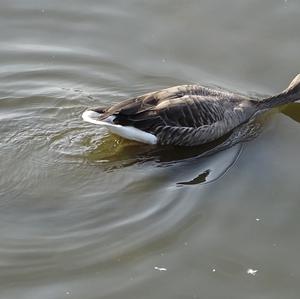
[
  {"x": 292, "y": 111},
  {"x": 177, "y": 163},
  {"x": 117, "y": 152},
  {"x": 113, "y": 152},
  {"x": 201, "y": 178}
]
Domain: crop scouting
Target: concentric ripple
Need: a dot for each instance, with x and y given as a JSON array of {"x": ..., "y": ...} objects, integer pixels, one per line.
[{"x": 86, "y": 214}]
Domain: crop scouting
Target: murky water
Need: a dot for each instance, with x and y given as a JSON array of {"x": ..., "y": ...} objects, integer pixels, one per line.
[{"x": 84, "y": 214}]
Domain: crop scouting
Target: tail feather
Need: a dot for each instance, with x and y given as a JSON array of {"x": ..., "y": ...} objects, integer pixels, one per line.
[{"x": 127, "y": 132}]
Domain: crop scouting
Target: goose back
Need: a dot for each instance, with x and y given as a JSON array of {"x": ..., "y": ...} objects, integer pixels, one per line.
[{"x": 184, "y": 115}]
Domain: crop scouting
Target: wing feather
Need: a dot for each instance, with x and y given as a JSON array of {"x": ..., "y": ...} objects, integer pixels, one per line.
[{"x": 182, "y": 115}]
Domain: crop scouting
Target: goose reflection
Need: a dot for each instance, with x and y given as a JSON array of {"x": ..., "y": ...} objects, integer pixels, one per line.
[
  {"x": 179, "y": 162},
  {"x": 113, "y": 152}
]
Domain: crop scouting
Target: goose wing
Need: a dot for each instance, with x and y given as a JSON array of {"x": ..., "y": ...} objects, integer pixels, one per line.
[{"x": 183, "y": 115}]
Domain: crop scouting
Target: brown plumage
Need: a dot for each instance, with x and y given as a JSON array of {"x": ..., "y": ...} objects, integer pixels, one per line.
[{"x": 190, "y": 115}]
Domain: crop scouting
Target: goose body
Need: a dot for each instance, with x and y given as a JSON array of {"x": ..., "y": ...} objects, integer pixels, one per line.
[{"x": 185, "y": 115}]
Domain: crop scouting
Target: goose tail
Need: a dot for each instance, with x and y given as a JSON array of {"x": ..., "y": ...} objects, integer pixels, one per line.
[
  {"x": 289, "y": 95},
  {"x": 127, "y": 132}
]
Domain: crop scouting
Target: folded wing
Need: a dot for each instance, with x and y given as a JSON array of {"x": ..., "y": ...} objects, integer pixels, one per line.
[{"x": 183, "y": 115}]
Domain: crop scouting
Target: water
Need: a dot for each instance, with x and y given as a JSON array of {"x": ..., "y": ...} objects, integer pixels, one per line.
[{"x": 85, "y": 214}]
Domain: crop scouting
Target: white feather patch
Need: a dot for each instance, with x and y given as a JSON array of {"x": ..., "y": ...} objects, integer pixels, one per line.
[{"x": 130, "y": 133}]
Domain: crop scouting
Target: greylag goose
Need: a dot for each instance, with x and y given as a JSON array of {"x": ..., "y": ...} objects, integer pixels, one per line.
[{"x": 186, "y": 115}]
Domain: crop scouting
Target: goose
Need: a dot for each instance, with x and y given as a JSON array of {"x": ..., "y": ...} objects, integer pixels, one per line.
[{"x": 185, "y": 115}]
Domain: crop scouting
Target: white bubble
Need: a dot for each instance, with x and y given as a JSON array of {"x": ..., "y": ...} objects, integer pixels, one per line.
[
  {"x": 252, "y": 271},
  {"x": 160, "y": 268}
]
